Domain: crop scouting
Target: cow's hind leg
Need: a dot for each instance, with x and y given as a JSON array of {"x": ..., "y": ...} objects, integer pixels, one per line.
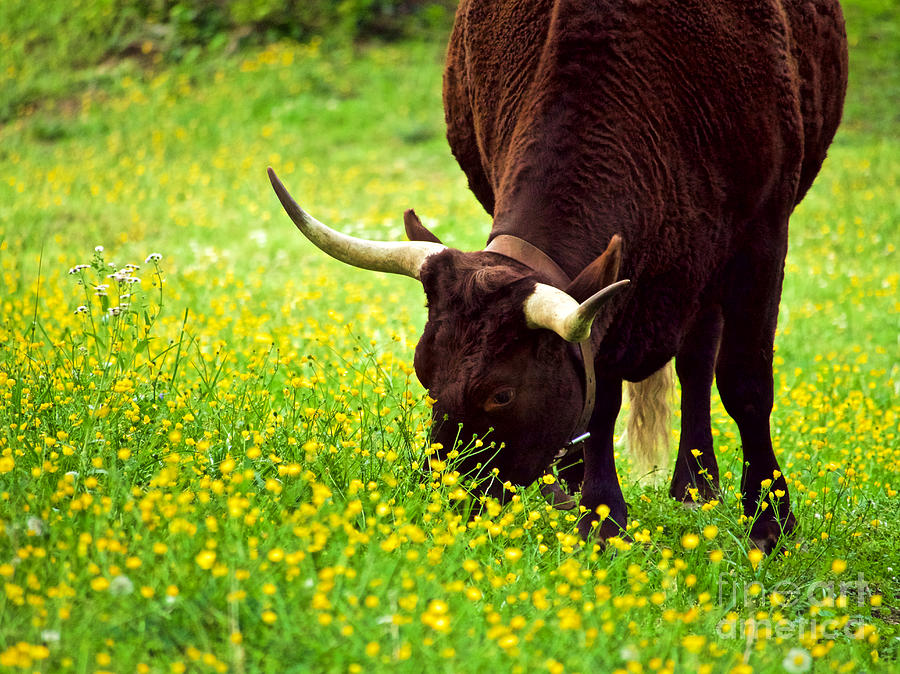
[
  {"x": 744, "y": 379},
  {"x": 696, "y": 476}
]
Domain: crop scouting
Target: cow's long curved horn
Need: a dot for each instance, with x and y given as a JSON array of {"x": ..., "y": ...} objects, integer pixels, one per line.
[
  {"x": 554, "y": 309},
  {"x": 396, "y": 257}
]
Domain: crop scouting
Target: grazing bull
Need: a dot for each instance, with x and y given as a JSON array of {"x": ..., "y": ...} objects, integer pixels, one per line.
[{"x": 662, "y": 143}]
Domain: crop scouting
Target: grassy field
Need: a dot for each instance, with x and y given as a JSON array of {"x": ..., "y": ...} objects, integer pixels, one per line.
[{"x": 212, "y": 439}]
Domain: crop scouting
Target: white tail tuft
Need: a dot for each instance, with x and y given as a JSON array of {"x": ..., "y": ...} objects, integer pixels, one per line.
[{"x": 648, "y": 423}]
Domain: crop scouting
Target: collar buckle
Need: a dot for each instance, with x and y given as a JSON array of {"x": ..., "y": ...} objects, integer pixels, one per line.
[{"x": 576, "y": 440}]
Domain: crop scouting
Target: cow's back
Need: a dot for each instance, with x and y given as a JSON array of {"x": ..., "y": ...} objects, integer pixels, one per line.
[
  {"x": 784, "y": 58},
  {"x": 819, "y": 49}
]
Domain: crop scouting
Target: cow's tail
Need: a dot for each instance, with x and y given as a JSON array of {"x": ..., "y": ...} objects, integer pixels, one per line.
[{"x": 648, "y": 423}]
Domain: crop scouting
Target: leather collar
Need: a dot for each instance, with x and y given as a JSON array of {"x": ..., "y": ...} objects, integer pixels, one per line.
[{"x": 531, "y": 256}]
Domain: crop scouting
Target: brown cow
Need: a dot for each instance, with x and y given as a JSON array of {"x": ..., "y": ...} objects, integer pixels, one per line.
[{"x": 690, "y": 129}]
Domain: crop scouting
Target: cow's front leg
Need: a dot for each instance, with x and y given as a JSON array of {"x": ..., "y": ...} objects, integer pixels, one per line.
[
  {"x": 601, "y": 485},
  {"x": 696, "y": 476}
]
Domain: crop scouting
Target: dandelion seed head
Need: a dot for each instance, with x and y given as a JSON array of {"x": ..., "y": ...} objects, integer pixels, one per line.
[
  {"x": 121, "y": 586},
  {"x": 629, "y": 653},
  {"x": 797, "y": 660},
  {"x": 50, "y": 636}
]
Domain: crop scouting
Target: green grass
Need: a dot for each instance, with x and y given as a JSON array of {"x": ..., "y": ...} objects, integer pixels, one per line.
[{"x": 229, "y": 474}]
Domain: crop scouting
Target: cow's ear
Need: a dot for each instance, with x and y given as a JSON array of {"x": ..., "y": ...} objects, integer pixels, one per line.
[
  {"x": 598, "y": 274},
  {"x": 415, "y": 230}
]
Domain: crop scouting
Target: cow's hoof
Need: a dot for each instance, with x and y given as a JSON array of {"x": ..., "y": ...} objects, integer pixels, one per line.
[
  {"x": 602, "y": 532},
  {"x": 557, "y": 497},
  {"x": 693, "y": 495},
  {"x": 767, "y": 534}
]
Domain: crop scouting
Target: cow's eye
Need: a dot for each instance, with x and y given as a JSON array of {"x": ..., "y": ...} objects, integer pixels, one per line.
[{"x": 501, "y": 398}]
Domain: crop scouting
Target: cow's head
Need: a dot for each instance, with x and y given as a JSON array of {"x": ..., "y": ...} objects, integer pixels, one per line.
[{"x": 498, "y": 354}]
